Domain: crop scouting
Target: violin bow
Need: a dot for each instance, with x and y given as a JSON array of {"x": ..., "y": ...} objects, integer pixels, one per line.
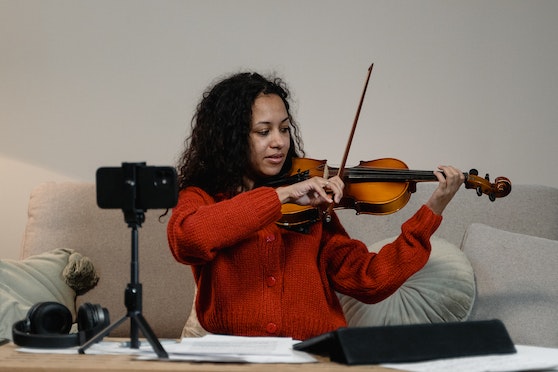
[{"x": 341, "y": 170}]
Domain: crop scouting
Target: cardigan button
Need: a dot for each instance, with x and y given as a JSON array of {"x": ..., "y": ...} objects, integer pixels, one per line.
[
  {"x": 271, "y": 328},
  {"x": 270, "y": 238},
  {"x": 271, "y": 281}
]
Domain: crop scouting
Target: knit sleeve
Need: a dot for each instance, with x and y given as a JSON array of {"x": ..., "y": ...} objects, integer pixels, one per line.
[
  {"x": 371, "y": 277},
  {"x": 199, "y": 227}
]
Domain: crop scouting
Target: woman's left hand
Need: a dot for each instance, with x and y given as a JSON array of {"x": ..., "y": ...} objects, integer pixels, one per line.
[{"x": 448, "y": 184}]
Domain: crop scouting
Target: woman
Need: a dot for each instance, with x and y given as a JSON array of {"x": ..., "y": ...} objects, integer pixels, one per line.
[{"x": 255, "y": 278}]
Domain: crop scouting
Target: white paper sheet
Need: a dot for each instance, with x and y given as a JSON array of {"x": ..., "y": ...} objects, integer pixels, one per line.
[
  {"x": 236, "y": 345},
  {"x": 216, "y": 348},
  {"x": 210, "y": 348},
  {"x": 527, "y": 358}
]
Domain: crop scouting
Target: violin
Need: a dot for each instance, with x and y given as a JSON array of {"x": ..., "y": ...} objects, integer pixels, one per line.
[{"x": 379, "y": 187}]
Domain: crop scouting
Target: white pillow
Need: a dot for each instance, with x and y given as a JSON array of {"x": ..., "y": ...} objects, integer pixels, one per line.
[{"x": 442, "y": 291}]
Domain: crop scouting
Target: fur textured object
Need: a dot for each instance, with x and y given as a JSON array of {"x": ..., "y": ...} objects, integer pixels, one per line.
[{"x": 80, "y": 274}]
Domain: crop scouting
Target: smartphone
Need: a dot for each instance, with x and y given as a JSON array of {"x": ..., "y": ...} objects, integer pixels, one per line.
[{"x": 136, "y": 185}]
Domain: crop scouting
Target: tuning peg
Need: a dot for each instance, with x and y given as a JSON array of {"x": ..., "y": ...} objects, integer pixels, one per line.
[
  {"x": 487, "y": 177},
  {"x": 491, "y": 197},
  {"x": 479, "y": 191},
  {"x": 474, "y": 172}
]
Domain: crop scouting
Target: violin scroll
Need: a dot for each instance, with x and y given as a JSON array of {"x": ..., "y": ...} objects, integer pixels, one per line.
[{"x": 499, "y": 189}]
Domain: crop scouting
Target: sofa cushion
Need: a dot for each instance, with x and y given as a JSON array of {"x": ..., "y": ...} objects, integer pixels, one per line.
[
  {"x": 516, "y": 277},
  {"x": 193, "y": 328},
  {"x": 442, "y": 291},
  {"x": 57, "y": 275}
]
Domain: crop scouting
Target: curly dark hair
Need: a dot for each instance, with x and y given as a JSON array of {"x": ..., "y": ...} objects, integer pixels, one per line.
[{"x": 217, "y": 152}]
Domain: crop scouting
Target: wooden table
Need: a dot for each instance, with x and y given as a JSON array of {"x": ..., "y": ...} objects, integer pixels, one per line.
[{"x": 13, "y": 360}]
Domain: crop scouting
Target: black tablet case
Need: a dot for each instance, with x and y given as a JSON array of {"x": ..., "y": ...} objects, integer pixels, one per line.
[{"x": 411, "y": 343}]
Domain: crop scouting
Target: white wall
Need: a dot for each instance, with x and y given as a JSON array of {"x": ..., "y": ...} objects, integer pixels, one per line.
[{"x": 84, "y": 84}]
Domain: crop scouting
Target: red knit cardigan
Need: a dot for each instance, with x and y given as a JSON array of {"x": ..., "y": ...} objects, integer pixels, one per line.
[{"x": 257, "y": 279}]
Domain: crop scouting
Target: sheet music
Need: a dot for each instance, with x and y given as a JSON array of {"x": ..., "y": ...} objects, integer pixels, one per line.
[
  {"x": 210, "y": 348},
  {"x": 217, "y": 348},
  {"x": 235, "y": 345}
]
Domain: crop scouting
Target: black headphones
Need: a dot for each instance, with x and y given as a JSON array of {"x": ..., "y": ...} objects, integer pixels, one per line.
[{"x": 47, "y": 325}]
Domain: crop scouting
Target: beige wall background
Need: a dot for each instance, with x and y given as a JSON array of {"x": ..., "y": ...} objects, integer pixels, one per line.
[{"x": 85, "y": 84}]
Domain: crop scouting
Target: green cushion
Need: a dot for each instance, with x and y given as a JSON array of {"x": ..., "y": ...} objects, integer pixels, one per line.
[{"x": 442, "y": 291}]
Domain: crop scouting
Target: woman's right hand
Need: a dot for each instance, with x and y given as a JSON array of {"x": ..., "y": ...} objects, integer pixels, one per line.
[{"x": 313, "y": 192}]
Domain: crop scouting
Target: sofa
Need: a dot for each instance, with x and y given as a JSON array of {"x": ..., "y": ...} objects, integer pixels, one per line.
[{"x": 508, "y": 250}]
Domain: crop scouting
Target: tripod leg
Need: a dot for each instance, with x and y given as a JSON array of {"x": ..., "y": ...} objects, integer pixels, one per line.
[
  {"x": 101, "y": 334},
  {"x": 150, "y": 335},
  {"x": 134, "y": 334}
]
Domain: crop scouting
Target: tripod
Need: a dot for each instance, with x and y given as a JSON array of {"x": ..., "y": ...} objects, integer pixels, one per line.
[{"x": 133, "y": 294}]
